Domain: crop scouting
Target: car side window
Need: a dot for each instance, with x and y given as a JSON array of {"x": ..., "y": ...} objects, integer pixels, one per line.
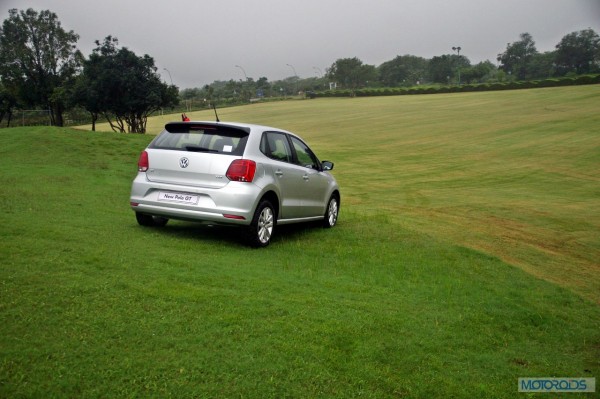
[
  {"x": 275, "y": 146},
  {"x": 304, "y": 155}
]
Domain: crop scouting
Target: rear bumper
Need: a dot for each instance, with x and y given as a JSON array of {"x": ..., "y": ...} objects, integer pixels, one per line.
[{"x": 237, "y": 200}]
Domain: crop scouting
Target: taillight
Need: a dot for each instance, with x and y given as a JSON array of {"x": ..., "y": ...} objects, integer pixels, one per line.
[
  {"x": 143, "y": 163},
  {"x": 241, "y": 170}
]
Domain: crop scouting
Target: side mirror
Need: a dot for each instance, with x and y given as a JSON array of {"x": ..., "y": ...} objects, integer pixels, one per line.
[{"x": 327, "y": 165}]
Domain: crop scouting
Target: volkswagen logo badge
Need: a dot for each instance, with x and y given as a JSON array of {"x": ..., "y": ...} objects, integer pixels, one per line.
[{"x": 184, "y": 162}]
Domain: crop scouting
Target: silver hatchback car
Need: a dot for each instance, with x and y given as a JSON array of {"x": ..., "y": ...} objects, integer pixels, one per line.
[{"x": 248, "y": 175}]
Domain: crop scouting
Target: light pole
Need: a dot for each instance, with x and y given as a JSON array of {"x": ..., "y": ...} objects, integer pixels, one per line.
[
  {"x": 295, "y": 74},
  {"x": 293, "y": 69},
  {"x": 245, "y": 76},
  {"x": 169, "y": 75},
  {"x": 243, "y": 90},
  {"x": 457, "y": 49},
  {"x": 319, "y": 73}
]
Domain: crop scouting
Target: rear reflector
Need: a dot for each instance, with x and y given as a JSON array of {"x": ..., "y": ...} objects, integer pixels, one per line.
[
  {"x": 241, "y": 170},
  {"x": 225, "y": 215},
  {"x": 134, "y": 203},
  {"x": 143, "y": 163}
]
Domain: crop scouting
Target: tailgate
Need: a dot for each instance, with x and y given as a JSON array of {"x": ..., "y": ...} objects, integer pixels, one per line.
[{"x": 188, "y": 168}]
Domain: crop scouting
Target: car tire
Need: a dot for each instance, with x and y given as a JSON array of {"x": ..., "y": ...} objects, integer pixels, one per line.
[
  {"x": 331, "y": 212},
  {"x": 262, "y": 226},
  {"x": 144, "y": 219}
]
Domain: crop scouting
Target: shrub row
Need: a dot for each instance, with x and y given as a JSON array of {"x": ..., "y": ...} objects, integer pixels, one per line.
[{"x": 398, "y": 91}]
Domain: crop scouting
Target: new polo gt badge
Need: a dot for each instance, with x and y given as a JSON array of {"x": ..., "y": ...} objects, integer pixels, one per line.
[{"x": 184, "y": 162}]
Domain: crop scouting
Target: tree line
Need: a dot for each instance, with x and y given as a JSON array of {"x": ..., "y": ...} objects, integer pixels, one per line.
[
  {"x": 41, "y": 68},
  {"x": 576, "y": 54}
]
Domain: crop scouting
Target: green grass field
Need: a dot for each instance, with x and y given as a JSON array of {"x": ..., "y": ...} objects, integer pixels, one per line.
[
  {"x": 513, "y": 174},
  {"x": 466, "y": 256}
]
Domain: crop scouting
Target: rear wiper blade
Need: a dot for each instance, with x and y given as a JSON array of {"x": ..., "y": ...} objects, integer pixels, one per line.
[{"x": 195, "y": 148}]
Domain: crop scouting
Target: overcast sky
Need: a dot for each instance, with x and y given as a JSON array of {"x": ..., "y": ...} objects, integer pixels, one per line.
[{"x": 200, "y": 41}]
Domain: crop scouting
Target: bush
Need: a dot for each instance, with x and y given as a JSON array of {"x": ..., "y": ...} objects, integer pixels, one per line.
[
  {"x": 587, "y": 80},
  {"x": 514, "y": 85}
]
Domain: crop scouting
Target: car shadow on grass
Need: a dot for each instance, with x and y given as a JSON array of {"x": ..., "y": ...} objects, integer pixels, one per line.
[{"x": 234, "y": 236}]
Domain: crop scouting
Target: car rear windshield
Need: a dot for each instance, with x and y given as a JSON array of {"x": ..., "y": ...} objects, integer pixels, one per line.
[{"x": 202, "y": 138}]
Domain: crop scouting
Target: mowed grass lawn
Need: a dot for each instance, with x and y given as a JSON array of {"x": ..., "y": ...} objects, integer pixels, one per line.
[
  {"x": 515, "y": 174},
  {"x": 466, "y": 256}
]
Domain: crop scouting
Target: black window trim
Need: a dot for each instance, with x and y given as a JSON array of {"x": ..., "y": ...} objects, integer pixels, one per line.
[{"x": 295, "y": 161}]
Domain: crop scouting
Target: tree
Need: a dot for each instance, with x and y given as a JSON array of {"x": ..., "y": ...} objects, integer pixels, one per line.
[
  {"x": 542, "y": 65},
  {"x": 517, "y": 57},
  {"x": 263, "y": 87},
  {"x": 478, "y": 73},
  {"x": 85, "y": 95},
  {"x": 207, "y": 94},
  {"x": 8, "y": 102},
  {"x": 351, "y": 73},
  {"x": 37, "y": 59},
  {"x": 189, "y": 94},
  {"x": 578, "y": 52},
  {"x": 123, "y": 86},
  {"x": 445, "y": 68},
  {"x": 404, "y": 70}
]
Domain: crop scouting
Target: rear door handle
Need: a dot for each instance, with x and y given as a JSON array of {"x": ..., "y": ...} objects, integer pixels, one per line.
[
  {"x": 279, "y": 173},
  {"x": 305, "y": 177}
]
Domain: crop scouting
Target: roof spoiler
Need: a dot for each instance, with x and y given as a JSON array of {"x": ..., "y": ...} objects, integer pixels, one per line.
[{"x": 187, "y": 127}]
